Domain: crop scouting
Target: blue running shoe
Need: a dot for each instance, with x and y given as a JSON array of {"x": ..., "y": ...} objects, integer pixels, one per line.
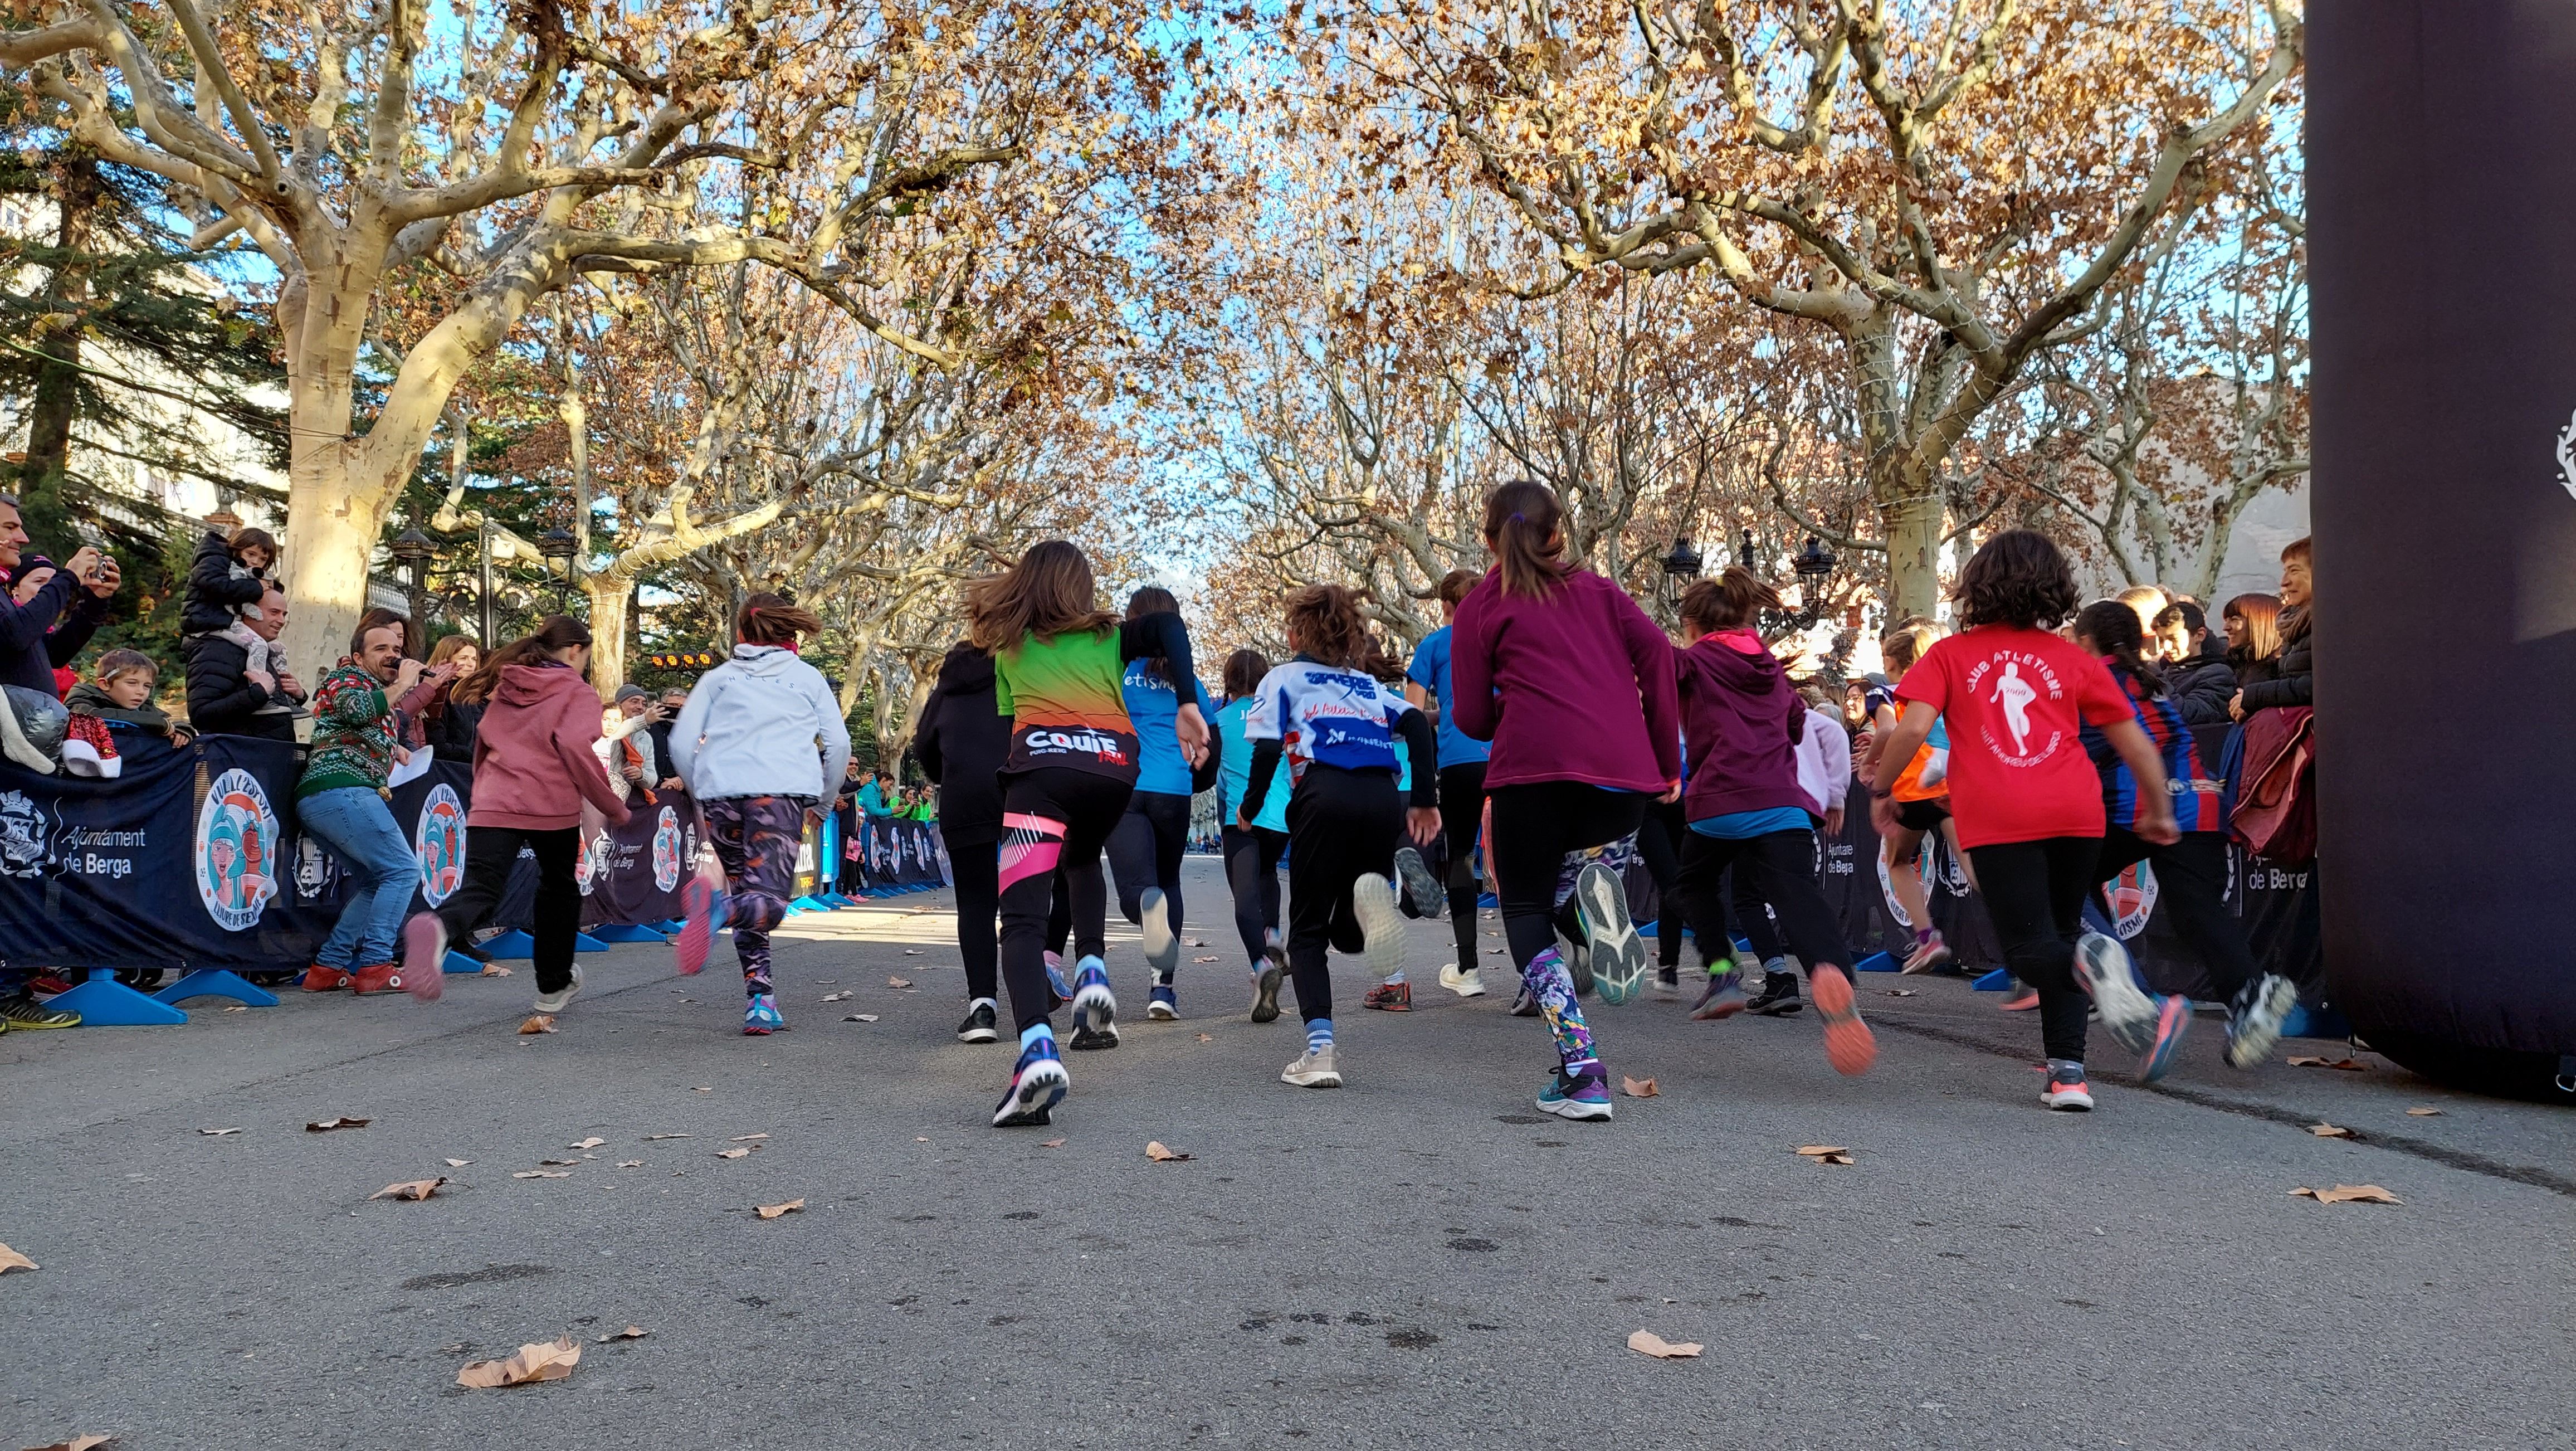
[
  {"x": 2128, "y": 1011},
  {"x": 1095, "y": 1008},
  {"x": 760, "y": 1016},
  {"x": 1038, "y": 1084},
  {"x": 1578, "y": 1096},
  {"x": 1163, "y": 1005},
  {"x": 2173, "y": 1019},
  {"x": 1055, "y": 980},
  {"x": 1162, "y": 944}
]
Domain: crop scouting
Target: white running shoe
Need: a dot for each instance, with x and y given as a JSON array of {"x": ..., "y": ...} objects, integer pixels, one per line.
[
  {"x": 1313, "y": 1069},
  {"x": 552, "y": 1003},
  {"x": 2128, "y": 1014},
  {"x": 1465, "y": 984},
  {"x": 1617, "y": 954},
  {"x": 1162, "y": 944},
  {"x": 1373, "y": 902}
]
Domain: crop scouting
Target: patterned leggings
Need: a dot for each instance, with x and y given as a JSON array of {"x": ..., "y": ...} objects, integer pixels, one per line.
[{"x": 756, "y": 837}]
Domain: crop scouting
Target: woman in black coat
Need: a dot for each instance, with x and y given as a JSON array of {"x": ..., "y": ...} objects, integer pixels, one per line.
[
  {"x": 961, "y": 744},
  {"x": 2295, "y": 681}
]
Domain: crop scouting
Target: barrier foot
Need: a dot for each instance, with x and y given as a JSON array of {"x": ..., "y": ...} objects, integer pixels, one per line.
[
  {"x": 1877, "y": 962},
  {"x": 215, "y": 982},
  {"x": 836, "y": 901},
  {"x": 460, "y": 965},
  {"x": 2307, "y": 1022},
  {"x": 670, "y": 928},
  {"x": 103, "y": 1002},
  {"x": 626, "y": 932},
  {"x": 811, "y": 904},
  {"x": 1647, "y": 929},
  {"x": 1995, "y": 981},
  {"x": 512, "y": 943},
  {"x": 584, "y": 942}
]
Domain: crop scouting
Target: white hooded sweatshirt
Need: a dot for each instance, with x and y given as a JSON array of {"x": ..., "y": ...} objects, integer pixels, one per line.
[{"x": 763, "y": 723}]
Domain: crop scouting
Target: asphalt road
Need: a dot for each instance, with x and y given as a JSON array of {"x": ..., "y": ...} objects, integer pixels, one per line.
[{"x": 1417, "y": 1259}]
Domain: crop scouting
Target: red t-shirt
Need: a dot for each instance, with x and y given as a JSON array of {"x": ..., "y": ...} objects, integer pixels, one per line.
[{"x": 2014, "y": 700}]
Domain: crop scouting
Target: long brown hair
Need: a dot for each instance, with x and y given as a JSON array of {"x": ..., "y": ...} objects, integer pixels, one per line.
[
  {"x": 1050, "y": 592},
  {"x": 1153, "y": 599},
  {"x": 1324, "y": 621},
  {"x": 1525, "y": 527},
  {"x": 1731, "y": 601},
  {"x": 2262, "y": 616},
  {"x": 554, "y": 632},
  {"x": 1906, "y": 640},
  {"x": 1244, "y": 670},
  {"x": 768, "y": 619}
]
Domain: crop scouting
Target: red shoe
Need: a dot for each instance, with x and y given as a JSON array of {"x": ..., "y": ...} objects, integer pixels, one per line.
[
  {"x": 2022, "y": 999},
  {"x": 47, "y": 984},
  {"x": 1389, "y": 997},
  {"x": 320, "y": 979},
  {"x": 1849, "y": 1045},
  {"x": 383, "y": 977},
  {"x": 425, "y": 952}
]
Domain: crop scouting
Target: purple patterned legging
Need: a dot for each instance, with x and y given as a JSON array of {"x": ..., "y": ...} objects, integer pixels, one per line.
[{"x": 755, "y": 838}]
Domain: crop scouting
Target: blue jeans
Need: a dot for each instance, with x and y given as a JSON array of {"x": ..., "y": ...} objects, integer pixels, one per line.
[{"x": 358, "y": 827}]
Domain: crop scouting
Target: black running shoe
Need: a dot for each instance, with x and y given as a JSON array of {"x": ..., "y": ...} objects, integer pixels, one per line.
[
  {"x": 978, "y": 1027},
  {"x": 1428, "y": 896},
  {"x": 1779, "y": 996}
]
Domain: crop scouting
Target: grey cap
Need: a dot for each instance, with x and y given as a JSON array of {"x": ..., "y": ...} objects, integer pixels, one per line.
[{"x": 629, "y": 691}]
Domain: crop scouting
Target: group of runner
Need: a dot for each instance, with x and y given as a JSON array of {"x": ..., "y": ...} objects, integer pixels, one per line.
[{"x": 1572, "y": 736}]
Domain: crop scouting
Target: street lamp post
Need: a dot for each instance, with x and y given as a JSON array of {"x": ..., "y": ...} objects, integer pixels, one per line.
[
  {"x": 1680, "y": 568},
  {"x": 483, "y": 565},
  {"x": 1811, "y": 564},
  {"x": 412, "y": 549},
  {"x": 557, "y": 545}
]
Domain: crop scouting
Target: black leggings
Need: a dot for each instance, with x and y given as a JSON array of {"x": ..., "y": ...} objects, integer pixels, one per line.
[
  {"x": 1252, "y": 871},
  {"x": 1052, "y": 815},
  {"x": 1341, "y": 824},
  {"x": 1781, "y": 865},
  {"x": 1145, "y": 851},
  {"x": 977, "y": 868},
  {"x": 2034, "y": 892},
  {"x": 1535, "y": 825},
  {"x": 1462, "y": 810},
  {"x": 1659, "y": 850},
  {"x": 490, "y": 853},
  {"x": 2191, "y": 884},
  {"x": 1753, "y": 909}
]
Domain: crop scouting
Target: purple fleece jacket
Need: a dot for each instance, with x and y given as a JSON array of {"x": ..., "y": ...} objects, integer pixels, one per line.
[
  {"x": 1574, "y": 687},
  {"x": 1742, "y": 722}
]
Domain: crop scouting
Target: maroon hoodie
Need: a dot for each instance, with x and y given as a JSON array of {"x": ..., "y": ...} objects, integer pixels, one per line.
[
  {"x": 533, "y": 763},
  {"x": 1740, "y": 725},
  {"x": 1574, "y": 687}
]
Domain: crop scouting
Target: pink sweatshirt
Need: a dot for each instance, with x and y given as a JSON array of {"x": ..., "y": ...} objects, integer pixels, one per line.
[
  {"x": 533, "y": 763},
  {"x": 1574, "y": 687}
]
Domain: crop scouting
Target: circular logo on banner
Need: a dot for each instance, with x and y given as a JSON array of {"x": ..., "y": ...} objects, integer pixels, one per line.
[
  {"x": 439, "y": 844},
  {"x": 2133, "y": 899},
  {"x": 666, "y": 850},
  {"x": 236, "y": 851}
]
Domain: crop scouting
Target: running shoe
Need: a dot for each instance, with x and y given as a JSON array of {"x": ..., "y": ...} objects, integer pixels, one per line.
[
  {"x": 1668, "y": 981},
  {"x": 1037, "y": 1086},
  {"x": 760, "y": 1016},
  {"x": 1265, "y": 992},
  {"x": 1617, "y": 954},
  {"x": 1524, "y": 1003},
  {"x": 2021, "y": 997},
  {"x": 1313, "y": 1069},
  {"x": 1095, "y": 1007},
  {"x": 556, "y": 1002},
  {"x": 1577, "y": 1096},
  {"x": 1425, "y": 889},
  {"x": 1162, "y": 944},
  {"x": 2173, "y": 1019},
  {"x": 1389, "y": 997},
  {"x": 23, "y": 1014},
  {"x": 320, "y": 979},
  {"x": 1849, "y": 1046},
  {"x": 979, "y": 1026},
  {"x": 1466, "y": 983},
  {"x": 1381, "y": 925},
  {"x": 1162, "y": 1004},
  {"x": 1778, "y": 997},
  {"x": 2128, "y": 1013},
  {"x": 2066, "y": 1091},
  {"x": 1055, "y": 980},
  {"x": 424, "y": 944},
  {"x": 376, "y": 977},
  {"x": 1578, "y": 967},
  {"x": 2254, "y": 1020},
  {"x": 1929, "y": 952},
  {"x": 1723, "y": 998},
  {"x": 697, "y": 925}
]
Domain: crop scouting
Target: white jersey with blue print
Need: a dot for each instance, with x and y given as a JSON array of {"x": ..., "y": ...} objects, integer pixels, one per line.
[{"x": 1330, "y": 714}]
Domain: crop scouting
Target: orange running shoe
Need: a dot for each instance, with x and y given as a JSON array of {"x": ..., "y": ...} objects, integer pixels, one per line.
[
  {"x": 1849, "y": 1045},
  {"x": 1389, "y": 997}
]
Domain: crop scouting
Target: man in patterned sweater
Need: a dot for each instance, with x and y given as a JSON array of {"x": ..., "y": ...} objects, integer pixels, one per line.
[{"x": 342, "y": 800}]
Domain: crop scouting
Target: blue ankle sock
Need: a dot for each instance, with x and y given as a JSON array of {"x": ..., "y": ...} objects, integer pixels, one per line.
[
  {"x": 1034, "y": 1032},
  {"x": 1319, "y": 1034}
]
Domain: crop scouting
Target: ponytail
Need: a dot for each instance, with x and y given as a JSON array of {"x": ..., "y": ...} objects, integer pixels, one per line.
[
  {"x": 768, "y": 619},
  {"x": 554, "y": 632},
  {"x": 1734, "y": 600},
  {"x": 1525, "y": 527},
  {"x": 2114, "y": 630}
]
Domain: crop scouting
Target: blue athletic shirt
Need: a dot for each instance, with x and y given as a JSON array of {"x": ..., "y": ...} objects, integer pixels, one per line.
[
  {"x": 1745, "y": 825},
  {"x": 1325, "y": 713},
  {"x": 1430, "y": 670},
  {"x": 1154, "y": 708},
  {"x": 1234, "y": 771},
  {"x": 2196, "y": 794}
]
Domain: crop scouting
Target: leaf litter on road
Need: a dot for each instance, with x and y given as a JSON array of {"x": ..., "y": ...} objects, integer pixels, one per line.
[
  {"x": 458, "y": 1163},
  {"x": 746, "y": 1138},
  {"x": 543, "y": 1174},
  {"x": 217, "y": 1133},
  {"x": 2425, "y": 1112},
  {"x": 10, "y": 1259},
  {"x": 1826, "y": 1153},
  {"x": 836, "y": 997},
  {"x": 533, "y": 1364},
  {"x": 1052, "y": 1144},
  {"x": 1161, "y": 1155},
  {"x": 631, "y": 1332},
  {"x": 590, "y": 1143},
  {"x": 2348, "y": 1065},
  {"x": 324, "y": 1126},
  {"x": 898, "y": 982},
  {"x": 648, "y": 1138},
  {"x": 860, "y": 1018},
  {"x": 1647, "y": 1342},
  {"x": 2348, "y": 1194},
  {"x": 410, "y": 1189},
  {"x": 2332, "y": 1131},
  {"x": 1639, "y": 1087},
  {"x": 77, "y": 1443},
  {"x": 773, "y": 1211},
  {"x": 735, "y": 1153},
  {"x": 537, "y": 1023}
]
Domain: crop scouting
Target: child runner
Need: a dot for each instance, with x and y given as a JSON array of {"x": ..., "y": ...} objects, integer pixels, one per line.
[
  {"x": 1059, "y": 663},
  {"x": 762, "y": 745},
  {"x": 961, "y": 744},
  {"x": 1145, "y": 847},
  {"x": 1332, "y": 720},
  {"x": 2191, "y": 874},
  {"x": 1573, "y": 686},
  {"x": 1922, "y": 797},
  {"x": 2027, "y": 801},
  {"x": 534, "y": 767},
  {"x": 1252, "y": 853},
  {"x": 1462, "y": 780},
  {"x": 1418, "y": 893},
  {"x": 1743, "y": 724}
]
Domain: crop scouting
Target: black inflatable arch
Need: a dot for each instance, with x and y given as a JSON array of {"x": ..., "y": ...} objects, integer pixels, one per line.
[{"x": 2442, "y": 196}]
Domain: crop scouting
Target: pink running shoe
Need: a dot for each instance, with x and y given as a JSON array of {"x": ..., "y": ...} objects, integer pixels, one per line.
[
  {"x": 424, "y": 943},
  {"x": 1849, "y": 1045},
  {"x": 697, "y": 925}
]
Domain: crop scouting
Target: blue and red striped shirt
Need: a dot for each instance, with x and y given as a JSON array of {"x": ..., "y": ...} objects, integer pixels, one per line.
[{"x": 2196, "y": 793}]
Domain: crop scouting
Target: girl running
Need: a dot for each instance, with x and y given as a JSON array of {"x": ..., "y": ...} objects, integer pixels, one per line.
[
  {"x": 1332, "y": 720},
  {"x": 1462, "y": 779},
  {"x": 1145, "y": 847},
  {"x": 762, "y": 746},
  {"x": 1573, "y": 687},
  {"x": 1059, "y": 662},
  {"x": 961, "y": 744},
  {"x": 2028, "y": 803},
  {"x": 1742, "y": 724},
  {"x": 1922, "y": 798},
  {"x": 2191, "y": 873},
  {"x": 534, "y": 769},
  {"x": 1252, "y": 853}
]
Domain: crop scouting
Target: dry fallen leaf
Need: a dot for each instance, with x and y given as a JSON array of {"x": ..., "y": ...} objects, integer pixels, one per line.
[
  {"x": 2349, "y": 1194},
  {"x": 325, "y": 1126},
  {"x": 587, "y": 1144},
  {"x": 2349, "y": 1065},
  {"x": 772, "y": 1211},
  {"x": 914, "y": 952},
  {"x": 1826, "y": 1153},
  {"x": 543, "y": 1174},
  {"x": 493, "y": 969},
  {"x": 1204, "y": 1038},
  {"x": 836, "y": 997},
  {"x": 648, "y": 1138},
  {"x": 2331, "y": 1131},
  {"x": 537, "y": 1023},
  {"x": 1052, "y": 1144},
  {"x": 921, "y": 1138},
  {"x": 238, "y": 1008},
  {"x": 77, "y": 1443},
  {"x": 2423, "y": 1113},
  {"x": 735, "y": 1153},
  {"x": 630, "y": 1163},
  {"x": 702, "y": 1088},
  {"x": 1207, "y": 959},
  {"x": 413, "y": 1189},
  {"x": 10, "y": 1259},
  {"x": 1898, "y": 992},
  {"x": 860, "y": 1018},
  {"x": 549, "y": 1360},
  {"x": 458, "y": 1163},
  {"x": 1647, "y": 1342},
  {"x": 561, "y": 1163},
  {"x": 747, "y": 1138},
  {"x": 631, "y": 1332},
  {"x": 1638, "y": 1087},
  {"x": 1160, "y": 1155},
  {"x": 898, "y": 982},
  {"x": 217, "y": 1133}
]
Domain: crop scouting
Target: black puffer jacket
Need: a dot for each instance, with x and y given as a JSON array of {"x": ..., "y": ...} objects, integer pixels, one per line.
[
  {"x": 220, "y": 701},
  {"x": 2296, "y": 683},
  {"x": 962, "y": 743},
  {"x": 215, "y": 594},
  {"x": 448, "y": 727},
  {"x": 2201, "y": 687}
]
